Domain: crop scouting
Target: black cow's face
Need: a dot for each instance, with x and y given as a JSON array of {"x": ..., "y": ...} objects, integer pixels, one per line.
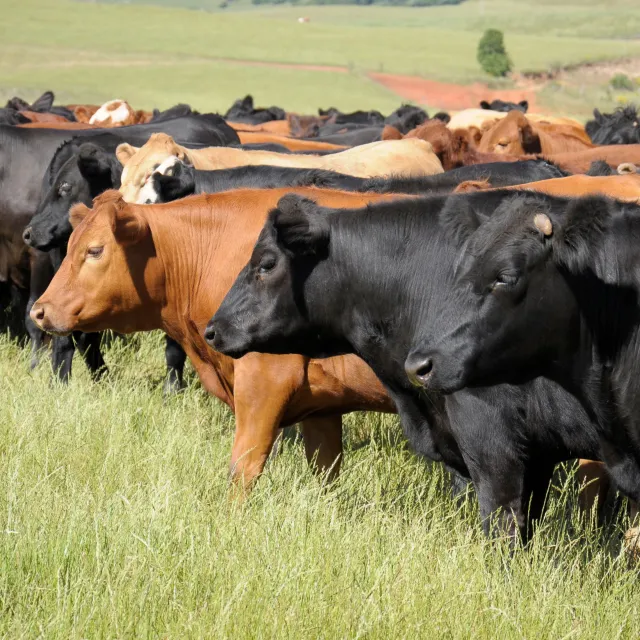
[
  {"x": 265, "y": 309},
  {"x": 515, "y": 315},
  {"x": 88, "y": 172}
]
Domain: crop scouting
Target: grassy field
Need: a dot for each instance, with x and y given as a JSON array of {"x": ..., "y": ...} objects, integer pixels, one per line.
[
  {"x": 117, "y": 524},
  {"x": 158, "y": 55}
]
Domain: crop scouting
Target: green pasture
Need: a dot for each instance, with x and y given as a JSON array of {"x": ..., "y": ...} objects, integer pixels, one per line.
[
  {"x": 117, "y": 523},
  {"x": 158, "y": 55}
]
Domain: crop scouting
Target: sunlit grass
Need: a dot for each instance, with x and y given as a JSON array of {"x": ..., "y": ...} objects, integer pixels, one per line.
[{"x": 116, "y": 522}]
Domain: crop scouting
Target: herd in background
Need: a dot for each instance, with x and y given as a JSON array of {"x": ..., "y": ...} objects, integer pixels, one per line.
[{"x": 314, "y": 265}]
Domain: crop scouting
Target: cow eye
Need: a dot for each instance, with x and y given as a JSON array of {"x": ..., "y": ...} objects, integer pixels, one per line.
[
  {"x": 266, "y": 265},
  {"x": 95, "y": 252},
  {"x": 64, "y": 189},
  {"x": 505, "y": 280},
  {"x": 503, "y": 143}
]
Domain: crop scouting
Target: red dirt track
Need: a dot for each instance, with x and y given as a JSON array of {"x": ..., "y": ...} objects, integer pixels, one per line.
[{"x": 449, "y": 96}]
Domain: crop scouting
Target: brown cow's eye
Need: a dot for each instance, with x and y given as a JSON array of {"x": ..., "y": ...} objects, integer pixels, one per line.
[{"x": 95, "y": 252}]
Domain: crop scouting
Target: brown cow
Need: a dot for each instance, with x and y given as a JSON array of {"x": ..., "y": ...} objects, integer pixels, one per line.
[
  {"x": 276, "y": 127},
  {"x": 517, "y": 135},
  {"x": 614, "y": 155},
  {"x": 621, "y": 187},
  {"x": 44, "y": 118},
  {"x": 144, "y": 267},
  {"x": 59, "y": 125},
  {"x": 293, "y": 144},
  {"x": 454, "y": 148}
]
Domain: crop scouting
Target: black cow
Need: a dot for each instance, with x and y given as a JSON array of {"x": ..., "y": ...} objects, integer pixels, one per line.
[
  {"x": 79, "y": 172},
  {"x": 26, "y": 154},
  {"x": 504, "y": 107},
  {"x": 182, "y": 180},
  {"x": 44, "y": 104},
  {"x": 620, "y": 127},
  {"x": 356, "y": 117},
  {"x": 325, "y": 282},
  {"x": 406, "y": 117},
  {"x": 242, "y": 110},
  {"x": 549, "y": 287},
  {"x": 351, "y": 138}
]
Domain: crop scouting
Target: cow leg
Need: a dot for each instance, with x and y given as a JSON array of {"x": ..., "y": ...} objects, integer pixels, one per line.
[
  {"x": 175, "y": 357},
  {"x": 263, "y": 387},
  {"x": 594, "y": 483},
  {"x": 41, "y": 273},
  {"x": 323, "y": 444},
  {"x": 252, "y": 445},
  {"x": 89, "y": 346},
  {"x": 62, "y": 350},
  {"x": 536, "y": 490}
]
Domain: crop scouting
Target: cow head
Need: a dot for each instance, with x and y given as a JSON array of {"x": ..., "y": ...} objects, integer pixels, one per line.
[
  {"x": 512, "y": 135},
  {"x": 265, "y": 309},
  {"x": 115, "y": 113},
  {"x": 109, "y": 274},
  {"x": 140, "y": 163},
  {"x": 88, "y": 172},
  {"x": 516, "y": 315}
]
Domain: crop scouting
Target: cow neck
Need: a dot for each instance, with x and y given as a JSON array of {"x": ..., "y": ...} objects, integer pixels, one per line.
[
  {"x": 609, "y": 302},
  {"x": 202, "y": 243},
  {"x": 368, "y": 295}
]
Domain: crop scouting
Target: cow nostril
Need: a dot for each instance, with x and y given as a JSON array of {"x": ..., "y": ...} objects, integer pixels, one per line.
[
  {"x": 26, "y": 235},
  {"x": 425, "y": 368},
  {"x": 209, "y": 333},
  {"x": 38, "y": 313}
]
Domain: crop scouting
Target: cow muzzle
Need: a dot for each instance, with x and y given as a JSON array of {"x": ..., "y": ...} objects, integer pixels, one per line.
[{"x": 41, "y": 314}]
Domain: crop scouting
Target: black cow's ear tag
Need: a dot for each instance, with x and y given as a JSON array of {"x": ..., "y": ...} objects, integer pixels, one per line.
[{"x": 543, "y": 224}]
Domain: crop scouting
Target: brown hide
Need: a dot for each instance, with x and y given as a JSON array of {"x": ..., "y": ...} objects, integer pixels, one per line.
[
  {"x": 293, "y": 144},
  {"x": 614, "y": 155},
  {"x": 168, "y": 267},
  {"x": 516, "y": 135}
]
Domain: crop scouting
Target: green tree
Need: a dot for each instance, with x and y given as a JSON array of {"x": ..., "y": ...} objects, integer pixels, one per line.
[{"x": 492, "y": 55}]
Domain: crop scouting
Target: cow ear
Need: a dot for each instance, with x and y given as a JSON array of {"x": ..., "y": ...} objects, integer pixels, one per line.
[
  {"x": 485, "y": 105},
  {"x": 44, "y": 103},
  {"x": 530, "y": 139},
  {"x": 598, "y": 116},
  {"x": 459, "y": 219},
  {"x": 129, "y": 226},
  {"x": 299, "y": 226},
  {"x": 125, "y": 152},
  {"x": 581, "y": 231},
  {"x": 91, "y": 161},
  {"x": 77, "y": 214},
  {"x": 524, "y": 104},
  {"x": 98, "y": 166}
]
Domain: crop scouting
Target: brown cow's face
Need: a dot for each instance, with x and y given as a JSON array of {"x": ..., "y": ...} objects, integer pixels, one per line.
[
  {"x": 513, "y": 135},
  {"x": 108, "y": 275},
  {"x": 139, "y": 164}
]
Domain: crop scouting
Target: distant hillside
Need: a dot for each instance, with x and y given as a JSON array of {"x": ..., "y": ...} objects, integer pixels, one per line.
[{"x": 395, "y": 3}]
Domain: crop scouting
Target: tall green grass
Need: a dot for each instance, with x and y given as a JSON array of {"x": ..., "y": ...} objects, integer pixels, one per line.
[{"x": 116, "y": 523}]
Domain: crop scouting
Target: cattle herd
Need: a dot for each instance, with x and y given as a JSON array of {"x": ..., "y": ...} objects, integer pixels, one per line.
[{"x": 474, "y": 272}]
